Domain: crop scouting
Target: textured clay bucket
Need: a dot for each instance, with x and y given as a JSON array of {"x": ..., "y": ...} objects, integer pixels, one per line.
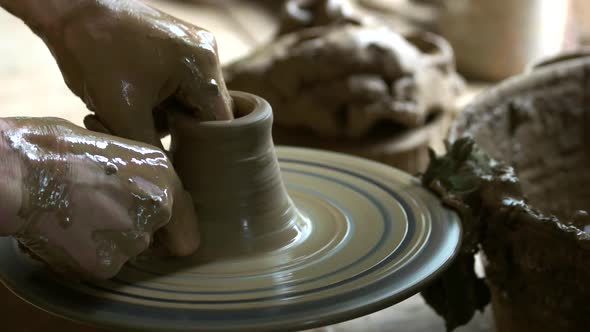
[{"x": 538, "y": 264}]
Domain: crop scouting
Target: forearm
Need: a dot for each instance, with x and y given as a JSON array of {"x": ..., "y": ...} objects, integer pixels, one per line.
[{"x": 41, "y": 15}]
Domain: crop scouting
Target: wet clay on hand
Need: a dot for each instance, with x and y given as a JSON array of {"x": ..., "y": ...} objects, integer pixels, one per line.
[
  {"x": 129, "y": 63},
  {"x": 342, "y": 79},
  {"x": 90, "y": 202}
]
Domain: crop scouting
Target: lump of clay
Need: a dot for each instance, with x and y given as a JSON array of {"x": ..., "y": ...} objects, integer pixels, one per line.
[{"x": 342, "y": 79}]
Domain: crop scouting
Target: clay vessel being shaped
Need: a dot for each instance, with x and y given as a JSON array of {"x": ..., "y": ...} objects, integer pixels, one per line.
[{"x": 232, "y": 172}]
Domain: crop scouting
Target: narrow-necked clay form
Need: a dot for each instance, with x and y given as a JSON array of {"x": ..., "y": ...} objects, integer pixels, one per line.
[{"x": 231, "y": 170}]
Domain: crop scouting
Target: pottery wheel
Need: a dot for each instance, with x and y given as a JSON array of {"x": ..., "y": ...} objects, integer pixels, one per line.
[{"x": 371, "y": 236}]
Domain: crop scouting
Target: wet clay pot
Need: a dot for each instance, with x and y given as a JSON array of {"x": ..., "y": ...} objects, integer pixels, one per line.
[
  {"x": 231, "y": 170},
  {"x": 538, "y": 263}
]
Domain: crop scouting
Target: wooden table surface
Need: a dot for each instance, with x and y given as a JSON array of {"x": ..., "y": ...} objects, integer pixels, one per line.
[{"x": 31, "y": 85}]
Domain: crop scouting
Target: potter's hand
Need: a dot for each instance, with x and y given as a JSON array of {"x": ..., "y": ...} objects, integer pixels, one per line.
[
  {"x": 86, "y": 202},
  {"x": 124, "y": 59}
]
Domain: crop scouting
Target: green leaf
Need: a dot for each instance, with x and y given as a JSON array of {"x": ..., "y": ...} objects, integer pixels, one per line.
[{"x": 458, "y": 293}]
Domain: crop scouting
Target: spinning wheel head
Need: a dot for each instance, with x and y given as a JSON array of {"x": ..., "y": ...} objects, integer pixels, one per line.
[{"x": 370, "y": 237}]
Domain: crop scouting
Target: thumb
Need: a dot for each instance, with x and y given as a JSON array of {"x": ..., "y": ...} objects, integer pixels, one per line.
[
  {"x": 206, "y": 94},
  {"x": 180, "y": 237},
  {"x": 91, "y": 122},
  {"x": 124, "y": 111},
  {"x": 11, "y": 185}
]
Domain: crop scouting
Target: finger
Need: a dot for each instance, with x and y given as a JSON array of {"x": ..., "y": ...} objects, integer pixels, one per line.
[
  {"x": 203, "y": 89},
  {"x": 91, "y": 122},
  {"x": 136, "y": 124},
  {"x": 126, "y": 111},
  {"x": 210, "y": 100},
  {"x": 180, "y": 237},
  {"x": 92, "y": 241}
]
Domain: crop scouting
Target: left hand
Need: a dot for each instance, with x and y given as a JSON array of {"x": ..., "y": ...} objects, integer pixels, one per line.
[{"x": 86, "y": 203}]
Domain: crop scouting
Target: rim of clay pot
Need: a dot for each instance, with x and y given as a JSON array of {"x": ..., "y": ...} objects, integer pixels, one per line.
[
  {"x": 436, "y": 49},
  {"x": 249, "y": 110},
  {"x": 560, "y": 58},
  {"x": 477, "y": 113},
  {"x": 516, "y": 85}
]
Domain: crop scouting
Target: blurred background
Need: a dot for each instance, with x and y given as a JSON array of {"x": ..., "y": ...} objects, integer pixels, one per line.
[
  {"x": 492, "y": 40},
  {"x": 31, "y": 82}
]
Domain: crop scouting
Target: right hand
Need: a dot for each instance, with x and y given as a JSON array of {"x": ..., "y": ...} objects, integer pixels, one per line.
[
  {"x": 130, "y": 63},
  {"x": 86, "y": 203}
]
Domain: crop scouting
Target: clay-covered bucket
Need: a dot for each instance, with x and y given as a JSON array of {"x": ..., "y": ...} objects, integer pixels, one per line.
[{"x": 538, "y": 264}]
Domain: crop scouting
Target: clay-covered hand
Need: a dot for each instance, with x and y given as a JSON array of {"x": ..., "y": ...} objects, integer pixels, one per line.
[
  {"x": 342, "y": 80},
  {"x": 124, "y": 59},
  {"x": 85, "y": 202}
]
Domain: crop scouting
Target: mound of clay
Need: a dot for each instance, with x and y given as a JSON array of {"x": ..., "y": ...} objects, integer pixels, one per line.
[{"x": 338, "y": 76}]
